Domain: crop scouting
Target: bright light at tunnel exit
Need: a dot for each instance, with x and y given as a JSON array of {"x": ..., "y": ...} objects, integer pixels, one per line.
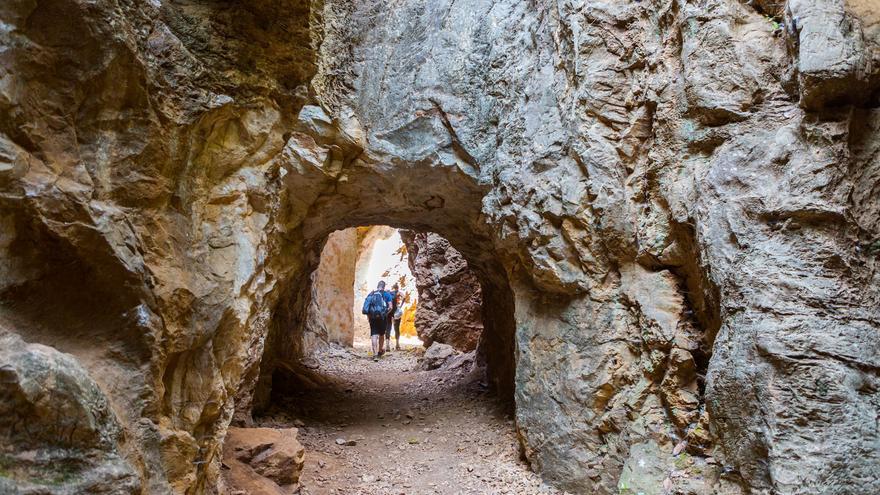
[{"x": 388, "y": 261}]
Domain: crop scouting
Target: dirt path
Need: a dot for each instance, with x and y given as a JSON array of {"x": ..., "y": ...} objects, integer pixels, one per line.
[{"x": 402, "y": 431}]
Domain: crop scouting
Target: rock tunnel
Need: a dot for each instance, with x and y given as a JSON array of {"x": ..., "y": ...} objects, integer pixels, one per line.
[
  {"x": 414, "y": 199},
  {"x": 671, "y": 207}
]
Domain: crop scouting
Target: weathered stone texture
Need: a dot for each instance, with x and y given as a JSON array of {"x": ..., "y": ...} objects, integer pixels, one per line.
[
  {"x": 262, "y": 461},
  {"x": 671, "y": 208},
  {"x": 436, "y": 355},
  {"x": 59, "y": 432},
  {"x": 333, "y": 286},
  {"x": 450, "y": 299}
]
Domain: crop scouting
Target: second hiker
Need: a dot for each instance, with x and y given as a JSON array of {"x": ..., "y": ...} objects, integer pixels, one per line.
[
  {"x": 397, "y": 315},
  {"x": 392, "y": 311}
]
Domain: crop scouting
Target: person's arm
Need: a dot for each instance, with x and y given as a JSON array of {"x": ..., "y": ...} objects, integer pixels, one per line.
[{"x": 389, "y": 307}]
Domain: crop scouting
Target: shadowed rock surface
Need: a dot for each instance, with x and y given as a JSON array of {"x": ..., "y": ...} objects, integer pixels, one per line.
[
  {"x": 58, "y": 429},
  {"x": 450, "y": 300},
  {"x": 436, "y": 355},
  {"x": 673, "y": 210}
]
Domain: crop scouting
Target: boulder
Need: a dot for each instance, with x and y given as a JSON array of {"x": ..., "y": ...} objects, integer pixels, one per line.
[
  {"x": 59, "y": 433},
  {"x": 262, "y": 460},
  {"x": 436, "y": 356}
]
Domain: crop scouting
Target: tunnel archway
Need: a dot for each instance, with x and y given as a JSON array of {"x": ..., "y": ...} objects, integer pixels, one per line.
[
  {"x": 396, "y": 183},
  {"x": 284, "y": 348},
  {"x": 356, "y": 414},
  {"x": 346, "y": 186}
]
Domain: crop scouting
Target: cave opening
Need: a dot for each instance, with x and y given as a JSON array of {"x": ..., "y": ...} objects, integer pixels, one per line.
[
  {"x": 352, "y": 261},
  {"x": 447, "y": 386},
  {"x": 334, "y": 196},
  {"x": 436, "y": 291}
]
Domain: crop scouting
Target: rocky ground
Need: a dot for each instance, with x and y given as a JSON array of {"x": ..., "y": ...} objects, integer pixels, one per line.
[{"x": 388, "y": 428}]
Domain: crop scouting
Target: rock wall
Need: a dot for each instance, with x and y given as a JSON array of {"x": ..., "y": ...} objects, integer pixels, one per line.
[
  {"x": 333, "y": 289},
  {"x": 450, "y": 300},
  {"x": 671, "y": 207}
]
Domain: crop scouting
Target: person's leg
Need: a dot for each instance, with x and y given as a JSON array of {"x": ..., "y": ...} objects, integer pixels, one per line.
[
  {"x": 388, "y": 333},
  {"x": 381, "y": 339},
  {"x": 375, "y": 329},
  {"x": 397, "y": 334}
]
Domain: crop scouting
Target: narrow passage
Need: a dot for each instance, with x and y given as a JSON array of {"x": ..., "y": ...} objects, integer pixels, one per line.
[{"x": 402, "y": 430}]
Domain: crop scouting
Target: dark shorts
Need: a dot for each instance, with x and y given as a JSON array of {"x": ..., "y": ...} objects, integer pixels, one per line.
[
  {"x": 388, "y": 324},
  {"x": 377, "y": 326}
]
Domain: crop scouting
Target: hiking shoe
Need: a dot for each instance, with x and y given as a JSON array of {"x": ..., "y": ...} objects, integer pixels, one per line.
[{"x": 375, "y": 359}]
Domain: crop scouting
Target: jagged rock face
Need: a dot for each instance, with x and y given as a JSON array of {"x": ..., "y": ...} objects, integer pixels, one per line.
[
  {"x": 671, "y": 207},
  {"x": 450, "y": 300}
]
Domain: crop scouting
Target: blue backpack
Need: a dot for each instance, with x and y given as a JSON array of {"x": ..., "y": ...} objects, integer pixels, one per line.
[{"x": 374, "y": 305}]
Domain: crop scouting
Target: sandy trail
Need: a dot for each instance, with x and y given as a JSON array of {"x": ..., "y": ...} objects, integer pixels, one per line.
[{"x": 414, "y": 432}]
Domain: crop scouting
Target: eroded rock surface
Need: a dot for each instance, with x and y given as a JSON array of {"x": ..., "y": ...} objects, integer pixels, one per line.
[
  {"x": 333, "y": 297},
  {"x": 450, "y": 299},
  {"x": 671, "y": 208},
  {"x": 58, "y": 431},
  {"x": 262, "y": 461}
]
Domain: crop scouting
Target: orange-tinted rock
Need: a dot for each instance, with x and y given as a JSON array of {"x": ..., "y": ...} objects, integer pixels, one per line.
[
  {"x": 262, "y": 460},
  {"x": 333, "y": 285}
]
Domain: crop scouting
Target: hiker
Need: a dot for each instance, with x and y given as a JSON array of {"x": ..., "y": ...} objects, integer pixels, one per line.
[
  {"x": 398, "y": 315},
  {"x": 395, "y": 295},
  {"x": 376, "y": 308}
]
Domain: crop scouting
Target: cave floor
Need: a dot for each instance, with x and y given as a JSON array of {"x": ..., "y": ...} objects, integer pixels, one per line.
[{"x": 414, "y": 432}]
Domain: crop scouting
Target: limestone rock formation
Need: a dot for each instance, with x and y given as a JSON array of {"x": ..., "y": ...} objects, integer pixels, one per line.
[
  {"x": 671, "y": 207},
  {"x": 333, "y": 286},
  {"x": 450, "y": 300}
]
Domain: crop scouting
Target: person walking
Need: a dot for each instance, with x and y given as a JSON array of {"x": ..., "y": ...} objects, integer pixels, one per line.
[
  {"x": 398, "y": 315},
  {"x": 393, "y": 301},
  {"x": 376, "y": 308}
]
